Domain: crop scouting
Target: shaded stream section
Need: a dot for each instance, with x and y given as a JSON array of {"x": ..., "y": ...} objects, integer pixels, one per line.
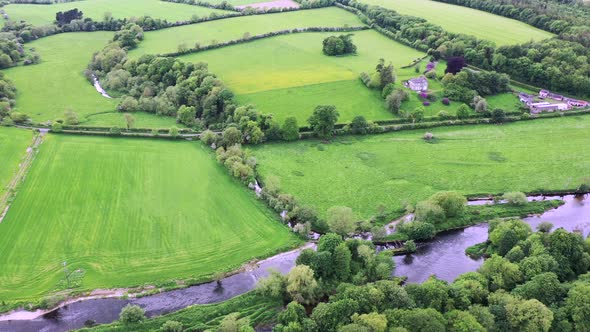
[{"x": 444, "y": 257}]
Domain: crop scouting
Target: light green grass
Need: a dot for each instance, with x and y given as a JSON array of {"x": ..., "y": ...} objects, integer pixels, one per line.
[
  {"x": 96, "y": 9},
  {"x": 351, "y": 98},
  {"x": 393, "y": 168},
  {"x": 13, "y": 147},
  {"x": 142, "y": 120},
  {"x": 129, "y": 211},
  {"x": 288, "y": 62},
  {"x": 47, "y": 89},
  {"x": 168, "y": 40},
  {"x": 458, "y": 19}
]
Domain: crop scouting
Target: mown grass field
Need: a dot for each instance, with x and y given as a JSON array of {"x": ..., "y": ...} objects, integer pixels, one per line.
[
  {"x": 260, "y": 72},
  {"x": 128, "y": 212},
  {"x": 13, "y": 147},
  {"x": 168, "y": 40},
  {"x": 395, "y": 168},
  {"x": 458, "y": 19},
  {"x": 96, "y": 9}
]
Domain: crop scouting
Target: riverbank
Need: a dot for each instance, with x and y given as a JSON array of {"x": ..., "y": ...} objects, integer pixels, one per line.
[
  {"x": 480, "y": 213},
  {"x": 443, "y": 256},
  {"x": 252, "y": 270}
]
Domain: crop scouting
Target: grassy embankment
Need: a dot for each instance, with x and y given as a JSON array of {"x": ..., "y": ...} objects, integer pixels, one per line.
[
  {"x": 96, "y": 9},
  {"x": 129, "y": 212},
  {"x": 477, "y": 214},
  {"x": 398, "y": 168},
  {"x": 257, "y": 309},
  {"x": 457, "y": 19}
]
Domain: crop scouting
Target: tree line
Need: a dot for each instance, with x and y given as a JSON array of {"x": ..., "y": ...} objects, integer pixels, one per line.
[
  {"x": 7, "y": 102},
  {"x": 555, "y": 64},
  {"x": 532, "y": 281}
]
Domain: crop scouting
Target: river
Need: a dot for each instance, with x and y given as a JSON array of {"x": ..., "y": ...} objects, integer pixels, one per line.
[{"x": 444, "y": 257}]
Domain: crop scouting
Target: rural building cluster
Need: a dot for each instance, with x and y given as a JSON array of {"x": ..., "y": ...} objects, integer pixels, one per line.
[{"x": 547, "y": 101}]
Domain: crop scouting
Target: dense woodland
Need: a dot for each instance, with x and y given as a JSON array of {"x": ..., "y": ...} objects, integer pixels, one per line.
[{"x": 531, "y": 282}]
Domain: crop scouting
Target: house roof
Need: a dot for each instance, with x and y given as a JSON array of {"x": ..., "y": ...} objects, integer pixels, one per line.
[{"x": 418, "y": 80}]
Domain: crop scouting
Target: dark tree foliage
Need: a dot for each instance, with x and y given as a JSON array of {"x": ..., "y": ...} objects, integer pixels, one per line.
[
  {"x": 323, "y": 120},
  {"x": 496, "y": 298},
  {"x": 7, "y": 95},
  {"x": 455, "y": 64},
  {"x": 339, "y": 45},
  {"x": 561, "y": 65},
  {"x": 67, "y": 17}
]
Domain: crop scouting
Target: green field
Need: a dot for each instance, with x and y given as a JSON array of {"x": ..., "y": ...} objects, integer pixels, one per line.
[
  {"x": 129, "y": 211},
  {"x": 393, "y": 168},
  {"x": 96, "y": 9},
  {"x": 259, "y": 72},
  {"x": 47, "y": 89},
  {"x": 168, "y": 40},
  {"x": 351, "y": 97},
  {"x": 13, "y": 146},
  {"x": 458, "y": 19}
]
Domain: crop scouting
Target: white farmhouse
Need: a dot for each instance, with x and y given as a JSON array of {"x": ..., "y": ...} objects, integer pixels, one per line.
[{"x": 417, "y": 84}]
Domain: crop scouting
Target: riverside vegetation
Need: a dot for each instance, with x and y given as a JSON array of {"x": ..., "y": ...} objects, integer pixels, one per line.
[{"x": 302, "y": 105}]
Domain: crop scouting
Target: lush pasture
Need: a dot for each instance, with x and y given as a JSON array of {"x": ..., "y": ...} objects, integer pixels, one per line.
[
  {"x": 129, "y": 211},
  {"x": 390, "y": 169},
  {"x": 168, "y": 40},
  {"x": 294, "y": 64},
  {"x": 47, "y": 89},
  {"x": 351, "y": 97},
  {"x": 96, "y": 9},
  {"x": 503, "y": 31},
  {"x": 13, "y": 146}
]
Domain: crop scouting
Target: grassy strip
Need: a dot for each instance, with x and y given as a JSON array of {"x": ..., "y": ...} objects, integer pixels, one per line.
[
  {"x": 258, "y": 309},
  {"x": 477, "y": 250},
  {"x": 477, "y": 214}
]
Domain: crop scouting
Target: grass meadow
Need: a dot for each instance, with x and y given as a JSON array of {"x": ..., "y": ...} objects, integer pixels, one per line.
[
  {"x": 395, "y": 168},
  {"x": 128, "y": 212},
  {"x": 96, "y": 9},
  {"x": 458, "y": 19},
  {"x": 13, "y": 147},
  {"x": 294, "y": 66},
  {"x": 47, "y": 89},
  {"x": 168, "y": 40}
]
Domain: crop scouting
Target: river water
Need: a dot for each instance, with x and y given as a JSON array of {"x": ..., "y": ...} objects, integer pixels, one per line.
[{"x": 444, "y": 257}]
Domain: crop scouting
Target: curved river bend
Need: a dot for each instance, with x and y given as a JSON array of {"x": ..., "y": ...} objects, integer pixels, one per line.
[{"x": 444, "y": 257}]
